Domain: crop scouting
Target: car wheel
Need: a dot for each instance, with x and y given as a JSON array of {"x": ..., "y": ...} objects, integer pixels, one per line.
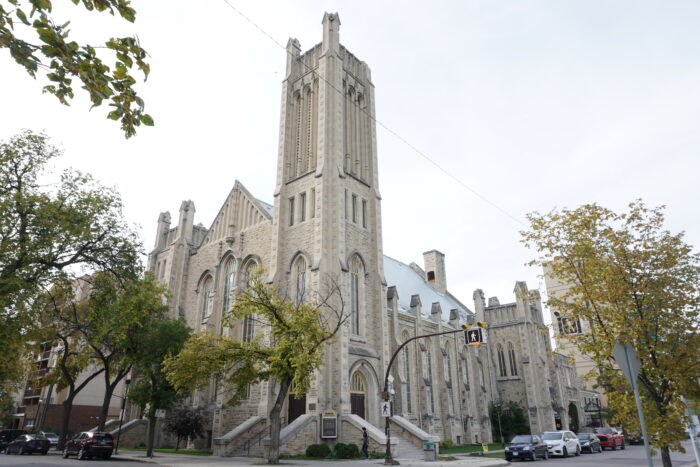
[
  {"x": 614, "y": 447},
  {"x": 533, "y": 456},
  {"x": 21, "y": 451},
  {"x": 564, "y": 453},
  {"x": 546, "y": 454},
  {"x": 622, "y": 446},
  {"x": 81, "y": 454},
  {"x": 43, "y": 453},
  {"x": 65, "y": 453},
  {"x": 578, "y": 451},
  {"x": 107, "y": 456}
]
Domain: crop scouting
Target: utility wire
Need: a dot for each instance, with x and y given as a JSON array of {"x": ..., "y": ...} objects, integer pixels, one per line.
[{"x": 373, "y": 118}]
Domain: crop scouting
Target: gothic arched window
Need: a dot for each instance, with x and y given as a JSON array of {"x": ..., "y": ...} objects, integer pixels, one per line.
[
  {"x": 249, "y": 320},
  {"x": 501, "y": 361},
  {"x": 428, "y": 372},
  {"x": 229, "y": 283},
  {"x": 511, "y": 360},
  {"x": 300, "y": 273},
  {"x": 355, "y": 272},
  {"x": 406, "y": 357},
  {"x": 207, "y": 297},
  {"x": 465, "y": 369}
]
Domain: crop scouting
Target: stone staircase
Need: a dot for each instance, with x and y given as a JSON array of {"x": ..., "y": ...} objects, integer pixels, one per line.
[{"x": 406, "y": 449}]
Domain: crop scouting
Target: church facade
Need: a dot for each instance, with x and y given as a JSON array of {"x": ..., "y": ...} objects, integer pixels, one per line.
[{"x": 325, "y": 221}]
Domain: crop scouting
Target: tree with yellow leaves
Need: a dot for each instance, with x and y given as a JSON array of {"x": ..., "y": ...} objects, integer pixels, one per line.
[
  {"x": 288, "y": 350},
  {"x": 634, "y": 282}
]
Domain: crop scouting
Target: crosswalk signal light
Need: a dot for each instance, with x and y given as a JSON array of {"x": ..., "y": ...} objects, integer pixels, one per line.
[{"x": 482, "y": 324}]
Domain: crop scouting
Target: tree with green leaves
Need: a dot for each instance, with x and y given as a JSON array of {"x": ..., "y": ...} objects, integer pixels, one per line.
[
  {"x": 47, "y": 229},
  {"x": 117, "y": 311},
  {"x": 574, "y": 421},
  {"x": 289, "y": 350},
  {"x": 39, "y": 44},
  {"x": 159, "y": 341},
  {"x": 508, "y": 418},
  {"x": 186, "y": 423},
  {"x": 631, "y": 281}
]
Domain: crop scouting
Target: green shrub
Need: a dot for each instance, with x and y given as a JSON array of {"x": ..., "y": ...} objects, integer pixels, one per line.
[
  {"x": 318, "y": 450},
  {"x": 347, "y": 451},
  {"x": 377, "y": 455},
  {"x": 447, "y": 443}
]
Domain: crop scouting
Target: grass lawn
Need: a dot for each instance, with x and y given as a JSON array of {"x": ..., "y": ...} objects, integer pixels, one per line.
[
  {"x": 172, "y": 451},
  {"x": 468, "y": 448}
]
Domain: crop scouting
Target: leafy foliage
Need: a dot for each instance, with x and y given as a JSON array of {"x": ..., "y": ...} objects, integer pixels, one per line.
[
  {"x": 510, "y": 417},
  {"x": 158, "y": 341},
  {"x": 634, "y": 282},
  {"x": 347, "y": 451},
  {"x": 289, "y": 350},
  {"x": 574, "y": 421},
  {"x": 64, "y": 60},
  {"x": 185, "y": 423},
  {"x": 318, "y": 450}
]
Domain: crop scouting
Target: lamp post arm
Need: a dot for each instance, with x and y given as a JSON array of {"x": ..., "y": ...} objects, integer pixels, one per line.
[{"x": 396, "y": 352}]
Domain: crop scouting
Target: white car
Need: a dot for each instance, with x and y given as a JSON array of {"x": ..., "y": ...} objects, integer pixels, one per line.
[{"x": 562, "y": 443}]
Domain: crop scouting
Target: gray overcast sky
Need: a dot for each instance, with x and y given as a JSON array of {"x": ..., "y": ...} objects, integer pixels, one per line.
[{"x": 534, "y": 104}]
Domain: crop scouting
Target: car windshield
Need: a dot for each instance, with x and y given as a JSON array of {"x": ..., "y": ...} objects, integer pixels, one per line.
[
  {"x": 102, "y": 436},
  {"x": 521, "y": 439},
  {"x": 51, "y": 435},
  {"x": 551, "y": 436},
  {"x": 607, "y": 431},
  {"x": 582, "y": 436}
]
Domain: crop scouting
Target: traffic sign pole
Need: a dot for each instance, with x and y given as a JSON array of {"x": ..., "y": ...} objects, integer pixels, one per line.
[{"x": 633, "y": 382}]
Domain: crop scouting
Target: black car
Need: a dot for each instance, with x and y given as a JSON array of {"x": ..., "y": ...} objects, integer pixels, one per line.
[
  {"x": 526, "y": 447},
  {"x": 28, "y": 444},
  {"x": 589, "y": 443},
  {"x": 90, "y": 444},
  {"x": 7, "y": 436}
]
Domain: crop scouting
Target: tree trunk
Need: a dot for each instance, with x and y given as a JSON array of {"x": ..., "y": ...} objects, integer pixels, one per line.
[
  {"x": 177, "y": 443},
  {"x": 275, "y": 423},
  {"x": 666, "y": 456},
  {"x": 151, "y": 435},
  {"x": 109, "y": 390},
  {"x": 67, "y": 407}
]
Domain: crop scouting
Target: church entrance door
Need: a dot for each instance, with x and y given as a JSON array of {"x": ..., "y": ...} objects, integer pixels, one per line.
[
  {"x": 357, "y": 394},
  {"x": 296, "y": 407}
]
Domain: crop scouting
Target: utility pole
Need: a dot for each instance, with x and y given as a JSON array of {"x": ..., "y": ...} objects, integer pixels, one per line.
[{"x": 388, "y": 459}]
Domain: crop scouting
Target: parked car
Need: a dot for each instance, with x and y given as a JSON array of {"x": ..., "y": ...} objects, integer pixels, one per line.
[
  {"x": 562, "y": 443},
  {"x": 526, "y": 447},
  {"x": 589, "y": 443},
  {"x": 639, "y": 439},
  {"x": 28, "y": 444},
  {"x": 7, "y": 436},
  {"x": 87, "y": 445},
  {"x": 52, "y": 437},
  {"x": 610, "y": 438}
]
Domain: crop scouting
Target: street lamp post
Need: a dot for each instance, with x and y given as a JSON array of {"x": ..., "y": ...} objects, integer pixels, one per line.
[
  {"x": 388, "y": 459},
  {"x": 121, "y": 416}
]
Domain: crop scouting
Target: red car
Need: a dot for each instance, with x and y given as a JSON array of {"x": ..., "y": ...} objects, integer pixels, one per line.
[
  {"x": 87, "y": 445},
  {"x": 610, "y": 438}
]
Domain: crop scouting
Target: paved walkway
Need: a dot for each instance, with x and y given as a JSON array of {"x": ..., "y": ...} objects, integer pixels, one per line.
[{"x": 182, "y": 460}]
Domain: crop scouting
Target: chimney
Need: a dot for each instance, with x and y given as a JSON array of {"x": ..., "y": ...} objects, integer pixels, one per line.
[
  {"x": 186, "y": 220},
  {"x": 493, "y": 301},
  {"x": 434, "y": 265},
  {"x": 163, "y": 228},
  {"x": 479, "y": 305}
]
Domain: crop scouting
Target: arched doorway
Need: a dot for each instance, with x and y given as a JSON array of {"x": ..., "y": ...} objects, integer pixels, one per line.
[
  {"x": 295, "y": 406},
  {"x": 357, "y": 394}
]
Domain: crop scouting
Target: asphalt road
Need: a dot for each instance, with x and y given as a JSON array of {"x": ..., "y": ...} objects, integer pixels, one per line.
[
  {"x": 631, "y": 456},
  {"x": 37, "y": 460}
]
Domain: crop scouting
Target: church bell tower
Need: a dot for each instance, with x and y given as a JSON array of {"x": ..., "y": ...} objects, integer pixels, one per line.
[{"x": 327, "y": 212}]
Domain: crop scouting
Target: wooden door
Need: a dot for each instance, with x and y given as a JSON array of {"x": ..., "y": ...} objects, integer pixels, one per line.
[
  {"x": 295, "y": 407},
  {"x": 357, "y": 404}
]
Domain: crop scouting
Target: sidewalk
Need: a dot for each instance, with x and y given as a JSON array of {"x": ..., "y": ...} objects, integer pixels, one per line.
[{"x": 182, "y": 460}]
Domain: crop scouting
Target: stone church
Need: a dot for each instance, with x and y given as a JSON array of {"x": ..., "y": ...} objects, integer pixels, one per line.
[{"x": 325, "y": 221}]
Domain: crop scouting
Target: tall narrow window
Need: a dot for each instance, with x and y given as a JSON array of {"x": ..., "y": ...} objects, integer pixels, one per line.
[
  {"x": 312, "y": 208},
  {"x": 249, "y": 320},
  {"x": 301, "y": 280},
  {"x": 511, "y": 360},
  {"x": 354, "y": 208},
  {"x": 207, "y": 297},
  {"x": 162, "y": 271},
  {"x": 465, "y": 371},
  {"x": 482, "y": 380},
  {"x": 501, "y": 361},
  {"x": 355, "y": 295},
  {"x": 448, "y": 367},
  {"x": 229, "y": 283},
  {"x": 364, "y": 213},
  {"x": 346, "y": 204},
  {"x": 302, "y": 207},
  {"x": 291, "y": 211},
  {"x": 407, "y": 375},
  {"x": 429, "y": 383}
]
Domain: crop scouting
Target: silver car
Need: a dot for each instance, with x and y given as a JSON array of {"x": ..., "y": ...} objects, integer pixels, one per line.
[{"x": 562, "y": 443}]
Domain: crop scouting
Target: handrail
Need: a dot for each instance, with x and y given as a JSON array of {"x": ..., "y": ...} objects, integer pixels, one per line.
[{"x": 257, "y": 438}]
